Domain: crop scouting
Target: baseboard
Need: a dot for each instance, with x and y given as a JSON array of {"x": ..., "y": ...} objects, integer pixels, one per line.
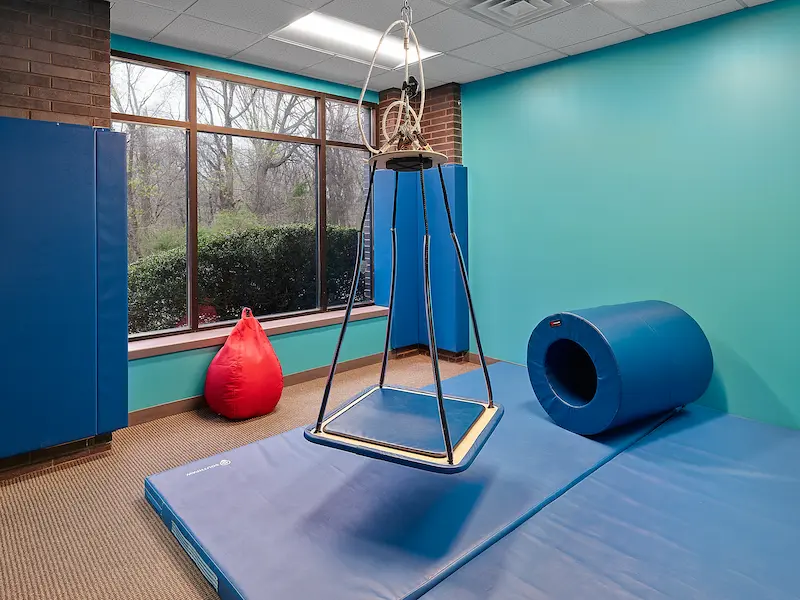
[
  {"x": 422, "y": 349},
  {"x": 475, "y": 359},
  {"x": 348, "y": 365},
  {"x": 169, "y": 409},
  {"x": 45, "y": 458}
]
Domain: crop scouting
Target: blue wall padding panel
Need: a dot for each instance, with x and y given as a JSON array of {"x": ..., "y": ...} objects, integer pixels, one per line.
[
  {"x": 406, "y": 306},
  {"x": 705, "y": 508},
  {"x": 306, "y": 521},
  {"x": 47, "y": 275},
  {"x": 449, "y": 302},
  {"x": 112, "y": 283},
  {"x": 599, "y": 368},
  {"x": 63, "y": 237}
]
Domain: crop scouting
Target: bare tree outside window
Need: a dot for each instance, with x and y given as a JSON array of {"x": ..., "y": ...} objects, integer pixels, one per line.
[
  {"x": 342, "y": 122},
  {"x": 157, "y": 191},
  {"x": 147, "y": 92},
  {"x": 229, "y": 104}
]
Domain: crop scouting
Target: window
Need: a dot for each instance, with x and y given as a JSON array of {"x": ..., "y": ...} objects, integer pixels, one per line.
[
  {"x": 157, "y": 211},
  {"x": 341, "y": 124},
  {"x": 347, "y": 184},
  {"x": 226, "y": 196},
  {"x": 258, "y": 198},
  {"x": 147, "y": 92},
  {"x": 228, "y": 104}
]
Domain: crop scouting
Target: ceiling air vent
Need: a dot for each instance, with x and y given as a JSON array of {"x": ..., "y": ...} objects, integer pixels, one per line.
[{"x": 513, "y": 13}]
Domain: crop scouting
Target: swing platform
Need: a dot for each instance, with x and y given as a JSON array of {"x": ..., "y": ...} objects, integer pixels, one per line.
[{"x": 403, "y": 426}]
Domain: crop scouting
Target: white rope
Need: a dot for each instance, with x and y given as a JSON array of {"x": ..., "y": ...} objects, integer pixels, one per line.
[
  {"x": 366, "y": 84},
  {"x": 421, "y": 78},
  {"x": 397, "y": 126},
  {"x": 404, "y": 103}
]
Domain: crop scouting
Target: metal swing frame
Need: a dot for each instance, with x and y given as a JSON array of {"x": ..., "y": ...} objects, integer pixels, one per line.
[{"x": 407, "y": 151}]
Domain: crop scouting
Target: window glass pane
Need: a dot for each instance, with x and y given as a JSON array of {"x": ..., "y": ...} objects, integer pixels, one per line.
[
  {"x": 228, "y": 104},
  {"x": 157, "y": 208},
  {"x": 341, "y": 122},
  {"x": 257, "y": 206},
  {"x": 347, "y": 183},
  {"x": 147, "y": 91}
]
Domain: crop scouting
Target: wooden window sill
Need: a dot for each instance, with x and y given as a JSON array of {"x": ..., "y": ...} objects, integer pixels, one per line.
[{"x": 216, "y": 337}]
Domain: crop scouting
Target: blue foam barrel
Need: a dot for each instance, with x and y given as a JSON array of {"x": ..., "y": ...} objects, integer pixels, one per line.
[{"x": 599, "y": 368}]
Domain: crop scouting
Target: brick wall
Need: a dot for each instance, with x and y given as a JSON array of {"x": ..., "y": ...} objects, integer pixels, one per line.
[
  {"x": 441, "y": 123},
  {"x": 55, "y": 60}
]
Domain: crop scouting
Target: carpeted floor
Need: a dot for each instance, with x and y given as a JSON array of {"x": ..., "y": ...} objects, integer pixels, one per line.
[{"x": 85, "y": 531}]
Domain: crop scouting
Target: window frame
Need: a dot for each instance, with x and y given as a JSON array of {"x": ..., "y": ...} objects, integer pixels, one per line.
[{"x": 192, "y": 127}]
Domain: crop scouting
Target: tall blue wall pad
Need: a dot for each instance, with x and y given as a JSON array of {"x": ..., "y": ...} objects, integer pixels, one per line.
[
  {"x": 48, "y": 274},
  {"x": 112, "y": 282},
  {"x": 406, "y": 307},
  {"x": 449, "y": 302}
]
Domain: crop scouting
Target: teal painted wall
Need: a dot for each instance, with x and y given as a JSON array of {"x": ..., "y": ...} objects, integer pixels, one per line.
[
  {"x": 171, "y": 377},
  {"x": 195, "y": 59},
  {"x": 667, "y": 167}
]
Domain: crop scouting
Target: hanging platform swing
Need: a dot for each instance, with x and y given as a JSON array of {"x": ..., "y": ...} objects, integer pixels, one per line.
[{"x": 416, "y": 428}]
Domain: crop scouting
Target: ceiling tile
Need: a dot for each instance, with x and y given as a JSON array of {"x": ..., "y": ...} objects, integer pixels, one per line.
[
  {"x": 637, "y": 12},
  {"x": 199, "y": 35},
  {"x": 390, "y": 79},
  {"x": 499, "y": 50},
  {"x": 707, "y": 12},
  {"x": 602, "y": 41},
  {"x": 451, "y": 68},
  {"x": 176, "y": 5},
  {"x": 450, "y": 29},
  {"x": 280, "y": 55},
  {"x": 260, "y": 16},
  {"x": 340, "y": 70},
  {"x": 381, "y": 13},
  {"x": 138, "y": 20},
  {"x": 756, "y": 2},
  {"x": 572, "y": 27},
  {"x": 309, "y": 4},
  {"x": 532, "y": 62}
]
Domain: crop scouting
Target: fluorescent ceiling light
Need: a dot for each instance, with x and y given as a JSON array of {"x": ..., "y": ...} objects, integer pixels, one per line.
[{"x": 348, "y": 40}]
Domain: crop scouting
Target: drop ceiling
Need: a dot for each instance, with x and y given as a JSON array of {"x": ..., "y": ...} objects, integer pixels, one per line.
[{"x": 476, "y": 38}]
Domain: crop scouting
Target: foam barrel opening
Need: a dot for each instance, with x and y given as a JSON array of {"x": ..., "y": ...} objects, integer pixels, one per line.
[{"x": 571, "y": 372}]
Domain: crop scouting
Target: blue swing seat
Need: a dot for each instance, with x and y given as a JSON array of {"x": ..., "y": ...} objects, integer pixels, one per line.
[{"x": 403, "y": 426}]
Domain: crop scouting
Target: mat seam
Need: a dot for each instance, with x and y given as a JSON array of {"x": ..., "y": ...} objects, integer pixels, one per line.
[{"x": 503, "y": 532}]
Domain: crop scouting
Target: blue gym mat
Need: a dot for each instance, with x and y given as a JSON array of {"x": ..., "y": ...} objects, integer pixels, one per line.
[
  {"x": 704, "y": 508},
  {"x": 284, "y": 518}
]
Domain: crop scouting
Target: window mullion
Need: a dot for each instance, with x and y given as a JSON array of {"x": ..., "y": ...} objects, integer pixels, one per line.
[
  {"x": 193, "y": 217},
  {"x": 322, "y": 207}
]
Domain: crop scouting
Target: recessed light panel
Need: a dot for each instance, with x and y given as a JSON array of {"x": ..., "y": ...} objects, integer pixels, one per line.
[{"x": 347, "y": 40}]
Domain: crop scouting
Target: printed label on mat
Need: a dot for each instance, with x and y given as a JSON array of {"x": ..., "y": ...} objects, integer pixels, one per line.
[
  {"x": 223, "y": 463},
  {"x": 206, "y": 570}
]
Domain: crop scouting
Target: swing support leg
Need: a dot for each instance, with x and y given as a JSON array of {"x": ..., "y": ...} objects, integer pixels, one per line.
[
  {"x": 387, "y": 343},
  {"x": 350, "y": 302},
  {"x": 465, "y": 280},
  {"x": 437, "y": 376}
]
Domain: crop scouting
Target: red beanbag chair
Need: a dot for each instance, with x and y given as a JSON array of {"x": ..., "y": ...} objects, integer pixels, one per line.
[{"x": 245, "y": 378}]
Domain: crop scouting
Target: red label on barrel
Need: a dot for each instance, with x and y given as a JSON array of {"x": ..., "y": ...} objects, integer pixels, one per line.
[{"x": 556, "y": 323}]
